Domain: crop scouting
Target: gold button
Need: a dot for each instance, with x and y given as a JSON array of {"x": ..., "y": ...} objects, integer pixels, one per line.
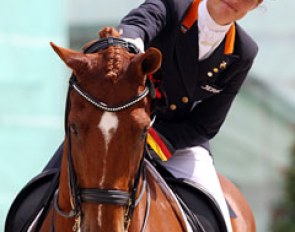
[
  {"x": 210, "y": 74},
  {"x": 215, "y": 70},
  {"x": 173, "y": 107},
  {"x": 223, "y": 65},
  {"x": 184, "y": 99}
]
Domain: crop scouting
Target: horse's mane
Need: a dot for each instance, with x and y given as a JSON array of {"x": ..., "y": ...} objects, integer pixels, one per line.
[{"x": 113, "y": 62}]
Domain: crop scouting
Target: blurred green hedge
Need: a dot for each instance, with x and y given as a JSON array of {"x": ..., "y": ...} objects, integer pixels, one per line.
[{"x": 284, "y": 213}]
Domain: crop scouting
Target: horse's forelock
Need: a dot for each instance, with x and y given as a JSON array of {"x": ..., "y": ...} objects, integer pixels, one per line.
[{"x": 113, "y": 62}]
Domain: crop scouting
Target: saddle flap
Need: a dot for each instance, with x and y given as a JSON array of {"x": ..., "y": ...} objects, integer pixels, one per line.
[
  {"x": 30, "y": 200},
  {"x": 200, "y": 207}
]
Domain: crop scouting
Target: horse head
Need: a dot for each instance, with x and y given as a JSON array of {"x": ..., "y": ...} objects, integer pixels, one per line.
[{"x": 107, "y": 118}]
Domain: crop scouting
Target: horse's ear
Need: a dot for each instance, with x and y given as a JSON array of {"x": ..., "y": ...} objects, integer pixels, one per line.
[
  {"x": 74, "y": 60},
  {"x": 152, "y": 60}
]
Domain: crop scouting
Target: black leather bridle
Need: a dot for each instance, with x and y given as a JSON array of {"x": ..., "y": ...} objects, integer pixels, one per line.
[{"x": 103, "y": 196}]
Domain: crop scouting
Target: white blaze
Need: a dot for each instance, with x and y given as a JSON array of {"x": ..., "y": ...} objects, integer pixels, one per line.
[
  {"x": 99, "y": 216},
  {"x": 108, "y": 125}
]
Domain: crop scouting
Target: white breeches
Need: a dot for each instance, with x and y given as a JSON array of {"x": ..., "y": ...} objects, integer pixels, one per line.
[{"x": 196, "y": 164}]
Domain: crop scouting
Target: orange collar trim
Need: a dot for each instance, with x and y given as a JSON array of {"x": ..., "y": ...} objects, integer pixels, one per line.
[{"x": 192, "y": 16}]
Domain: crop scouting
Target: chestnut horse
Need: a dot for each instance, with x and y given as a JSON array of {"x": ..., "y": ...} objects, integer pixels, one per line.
[{"x": 105, "y": 184}]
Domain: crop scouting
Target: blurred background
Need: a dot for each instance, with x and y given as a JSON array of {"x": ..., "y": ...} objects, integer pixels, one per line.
[{"x": 253, "y": 147}]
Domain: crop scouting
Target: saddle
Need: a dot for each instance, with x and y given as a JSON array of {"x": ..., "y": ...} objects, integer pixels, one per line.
[
  {"x": 34, "y": 200},
  {"x": 201, "y": 209}
]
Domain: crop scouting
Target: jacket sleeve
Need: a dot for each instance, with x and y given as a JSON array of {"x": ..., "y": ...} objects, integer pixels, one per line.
[
  {"x": 146, "y": 21},
  {"x": 206, "y": 118}
]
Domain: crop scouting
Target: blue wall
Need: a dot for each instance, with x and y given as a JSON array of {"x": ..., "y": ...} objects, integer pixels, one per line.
[{"x": 31, "y": 93}]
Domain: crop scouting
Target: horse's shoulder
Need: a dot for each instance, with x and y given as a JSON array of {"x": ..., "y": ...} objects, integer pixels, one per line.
[{"x": 155, "y": 179}]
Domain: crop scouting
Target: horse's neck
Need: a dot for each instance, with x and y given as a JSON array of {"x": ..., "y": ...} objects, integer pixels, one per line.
[{"x": 154, "y": 177}]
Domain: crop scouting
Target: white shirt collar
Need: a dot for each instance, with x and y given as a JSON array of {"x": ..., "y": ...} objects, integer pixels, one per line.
[{"x": 211, "y": 34}]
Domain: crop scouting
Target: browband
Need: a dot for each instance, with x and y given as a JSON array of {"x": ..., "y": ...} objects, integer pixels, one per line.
[{"x": 111, "y": 41}]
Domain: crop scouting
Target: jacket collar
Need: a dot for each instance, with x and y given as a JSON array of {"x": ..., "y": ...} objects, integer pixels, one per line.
[{"x": 187, "y": 50}]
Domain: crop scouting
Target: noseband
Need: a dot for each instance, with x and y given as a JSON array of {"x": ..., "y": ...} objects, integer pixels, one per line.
[{"x": 102, "y": 196}]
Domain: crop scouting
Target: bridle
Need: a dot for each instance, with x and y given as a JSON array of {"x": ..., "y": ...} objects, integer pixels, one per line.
[
  {"x": 103, "y": 106},
  {"x": 103, "y": 196}
]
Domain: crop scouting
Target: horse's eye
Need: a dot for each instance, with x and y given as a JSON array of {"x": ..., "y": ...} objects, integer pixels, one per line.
[{"x": 73, "y": 129}]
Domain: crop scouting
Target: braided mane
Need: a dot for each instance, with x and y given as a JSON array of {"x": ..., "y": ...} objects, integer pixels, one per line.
[{"x": 112, "y": 62}]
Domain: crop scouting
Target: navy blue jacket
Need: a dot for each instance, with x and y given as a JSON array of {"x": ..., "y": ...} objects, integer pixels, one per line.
[{"x": 199, "y": 93}]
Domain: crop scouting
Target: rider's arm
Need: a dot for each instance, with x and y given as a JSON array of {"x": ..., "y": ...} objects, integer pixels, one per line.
[{"x": 151, "y": 18}]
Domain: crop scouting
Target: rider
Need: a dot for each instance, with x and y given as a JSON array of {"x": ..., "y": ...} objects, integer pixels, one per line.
[{"x": 206, "y": 57}]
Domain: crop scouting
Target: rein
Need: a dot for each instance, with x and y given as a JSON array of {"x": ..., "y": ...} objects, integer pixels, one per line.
[{"x": 103, "y": 196}]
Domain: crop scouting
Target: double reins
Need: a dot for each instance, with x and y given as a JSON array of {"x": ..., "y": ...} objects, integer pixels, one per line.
[{"x": 103, "y": 196}]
